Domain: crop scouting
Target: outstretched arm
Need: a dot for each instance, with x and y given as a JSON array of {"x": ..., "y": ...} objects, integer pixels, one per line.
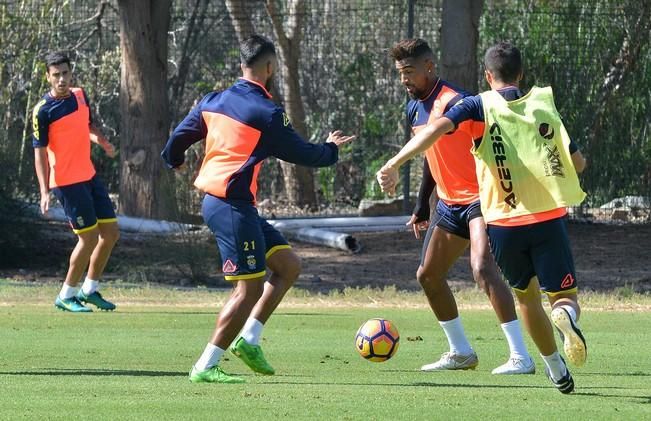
[
  {"x": 191, "y": 130},
  {"x": 388, "y": 174},
  {"x": 289, "y": 146}
]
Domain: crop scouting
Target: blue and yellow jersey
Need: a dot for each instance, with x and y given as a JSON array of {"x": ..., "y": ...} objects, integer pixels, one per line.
[
  {"x": 242, "y": 128},
  {"x": 62, "y": 125},
  {"x": 450, "y": 162}
]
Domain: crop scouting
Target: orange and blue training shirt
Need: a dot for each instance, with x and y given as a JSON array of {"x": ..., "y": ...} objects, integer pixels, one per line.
[
  {"x": 242, "y": 127},
  {"x": 449, "y": 160},
  {"x": 62, "y": 125}
]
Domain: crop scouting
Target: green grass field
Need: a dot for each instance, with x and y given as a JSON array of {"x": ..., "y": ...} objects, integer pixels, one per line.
[{"x": 133, "y": 364}]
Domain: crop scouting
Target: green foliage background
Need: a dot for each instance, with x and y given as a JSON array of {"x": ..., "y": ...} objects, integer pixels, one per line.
[{"x": 347, "y": 80}]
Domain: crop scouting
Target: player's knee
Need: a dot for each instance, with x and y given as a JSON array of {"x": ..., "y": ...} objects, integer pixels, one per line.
[
  {"x": 292, "y": 269},
  {"x": 481, "y": 275},
  {"x": 428, "y": 280},
  {"x": 484, "y": 272},
  {"x": 248, "y": 290},
  {"x": 89, "y": 239},
  {"x": 111, "y": 235}
]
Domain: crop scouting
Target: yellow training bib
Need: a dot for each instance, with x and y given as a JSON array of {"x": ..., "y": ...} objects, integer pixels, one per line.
[{"x": 523, "y": 162}]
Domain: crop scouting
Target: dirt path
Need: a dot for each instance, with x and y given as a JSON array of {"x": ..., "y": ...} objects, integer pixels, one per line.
[{"x": 606, "y": 257}]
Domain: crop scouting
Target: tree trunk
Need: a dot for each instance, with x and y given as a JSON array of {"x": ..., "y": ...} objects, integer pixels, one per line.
[
  {"x": 623, "y": 64},
  {"x": 459, "y": 37},
  {"x": 145, "y": 186},
  {"x": 240, "y": 18},
  {"x": 299, "y": 181}
]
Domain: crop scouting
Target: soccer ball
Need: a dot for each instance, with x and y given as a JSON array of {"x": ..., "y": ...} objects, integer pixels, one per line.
[{"x": 377, "y": 340}]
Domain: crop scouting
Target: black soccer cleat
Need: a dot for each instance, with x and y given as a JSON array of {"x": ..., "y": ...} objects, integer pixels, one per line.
[{"x": 566, "y": 383}]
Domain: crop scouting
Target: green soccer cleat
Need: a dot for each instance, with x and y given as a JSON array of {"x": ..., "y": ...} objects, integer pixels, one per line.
[
  {"x": 252, "y": 356},
  {"x": 71, "y": 304},
  {"x": 96, "y": 299},
  {"x": 213, "y": 374}
]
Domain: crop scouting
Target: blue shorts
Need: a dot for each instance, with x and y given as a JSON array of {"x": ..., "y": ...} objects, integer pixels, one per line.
[
  {"x": 245, "y": 240},
  {"x": 86, "y": 204},
  {"x": 541, "y": 249},
  {"x": 455, "y": 219}
]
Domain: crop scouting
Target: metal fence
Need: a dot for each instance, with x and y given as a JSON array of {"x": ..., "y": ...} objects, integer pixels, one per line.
[{"x": 589, "y": 52}]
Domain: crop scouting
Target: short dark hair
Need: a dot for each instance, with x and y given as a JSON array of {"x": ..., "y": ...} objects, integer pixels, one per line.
[
  {"x": 254, "y": 48},
  {"x": 410, "y": 48},
  {"x": 504, "y": 61},
  {"x": 55, "y": 58}
]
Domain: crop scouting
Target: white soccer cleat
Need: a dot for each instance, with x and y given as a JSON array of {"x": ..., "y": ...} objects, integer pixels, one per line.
[
  {"x": 574, "y": 345},
  {"x": 453, "y": 361},
  {"x": 516, "y": 365}
]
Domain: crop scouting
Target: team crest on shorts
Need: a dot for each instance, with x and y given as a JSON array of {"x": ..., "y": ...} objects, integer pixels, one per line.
[
  {"x": 568, "y": 281},
  {"x": 251, "y": 262},
  {"x": 229, "y": 266},
  {"x": 80, "y": 221}
]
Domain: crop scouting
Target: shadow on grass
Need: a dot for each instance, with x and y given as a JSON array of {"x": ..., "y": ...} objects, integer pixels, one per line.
[
  {"x": 216, "y": 310},
  {"x": 634, "y": 374},
  {"x": 415, "y": 384},
  {"x": 95, "y": 372},
  {"x": 644, "y": 399},
  {"x": 313, "y": 314},
  {"x": 209, "y": 312}
]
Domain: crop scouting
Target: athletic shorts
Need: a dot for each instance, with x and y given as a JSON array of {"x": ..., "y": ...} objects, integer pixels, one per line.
[
  {"x": 245, "y": 240},
  {"x": 454, "y": 219},
  {"x": 541, "y": 249},
  {"x": 86, "y": 204}
]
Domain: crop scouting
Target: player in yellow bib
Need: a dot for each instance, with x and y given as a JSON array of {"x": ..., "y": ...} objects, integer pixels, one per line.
[{"x": 527, "y": 172}]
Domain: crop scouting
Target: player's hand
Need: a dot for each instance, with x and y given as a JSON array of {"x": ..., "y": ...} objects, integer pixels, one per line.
[
  {"x": 109, "y": 149},
  {"x": 45, "y": 202},
  {"x": 417, "y": 227},
  {"x": 338, "y": 138},
  {"x": 387, "y": 177}
]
